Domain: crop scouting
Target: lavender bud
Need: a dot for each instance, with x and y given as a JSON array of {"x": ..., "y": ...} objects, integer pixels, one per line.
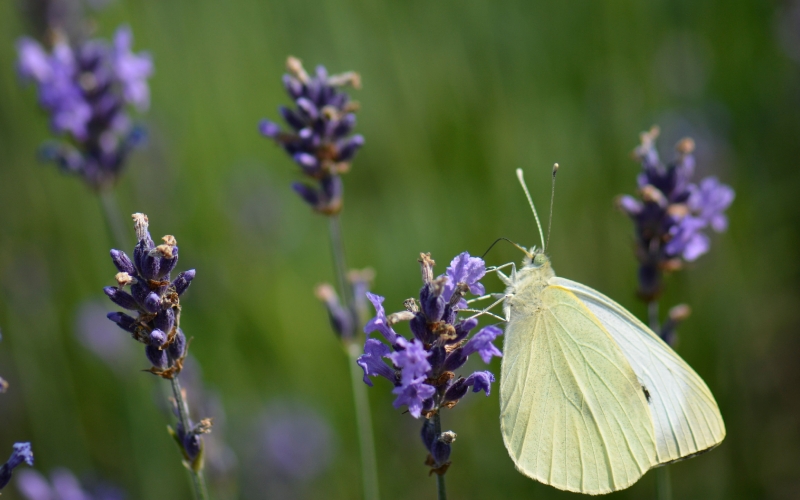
[
  {"x": 309, "y": 194},
  {"x": 456, "y": 391},
  {"x": 123, "y": 321},
  {"x": 178, "y": 346},
  {"x": 419, "y": 326},
  {"x": 165, "y": 320},
  {"x": 428, "y": 433},
  {"x": 455, "y": 360},
  {"x": 122, "y": 262},
  {"x": 121, "y": 298},
  {"x": 150, "y": 265},
  {"x": 292, "y": 118},
  {"x": 192, "y": 443},
  {"x": 156, "y": 356},
  {"x": 350, "y": 147},
  {"x": 341, "y": 319},
  {"x": 152, "y": 302},
  {"x": 21, "y": 453},
  {"x": 436, "y": 358},
  {"x": 269, "y": 129},
  {"x": 183, "y": 280},
  {"x": 157, "y": 338},
  {"x": 440, "y": 452},
  {"x": 307, "y": 162}
]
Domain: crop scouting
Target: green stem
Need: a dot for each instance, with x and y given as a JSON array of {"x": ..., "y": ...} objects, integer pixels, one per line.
[
  {"x": 663, "y": 484},
  {"x": 113, "y": 218},
  {"x": 198, "y": 481},
  {"x": 369, "y": 469},
  {"x": 364, "y": 422},
  {"x": 440, "y": 486},
  {"x": 339, "y": 261}
]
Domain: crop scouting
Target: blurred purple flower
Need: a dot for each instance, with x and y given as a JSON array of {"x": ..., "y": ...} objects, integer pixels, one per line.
[
  {"x": 318, "y": 138},
  {"x": 63, "y": 485},
  {"x": 101, "y": 337},
  {"x": 290, "y": 445},
  {"x": 422, "y": 369},
  {"x": 21, "y": 452},
  {"x": 85, "y": 89},
  {"x": 672, "y": 213}
]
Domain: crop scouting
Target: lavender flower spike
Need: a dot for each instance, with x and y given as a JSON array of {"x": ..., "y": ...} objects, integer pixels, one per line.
[
  {"x": 86, "y": 89},
  {"x": 672, "y": 214},
  {"x": 423, "y": 372},
  {"x": 154, "y": 298},
  {"x": 21, "y": 453},
  {"x": 318, "y": 137}
]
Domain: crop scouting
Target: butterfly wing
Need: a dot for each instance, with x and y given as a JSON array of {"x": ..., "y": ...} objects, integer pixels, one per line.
[
  {"x": 686, "y": 417},
  {"x": 573, "y": 414}
]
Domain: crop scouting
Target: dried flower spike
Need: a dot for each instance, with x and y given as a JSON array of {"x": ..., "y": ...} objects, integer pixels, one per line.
[
  {"x": 318, "y": 138},
  {"x": 87, "y": 89}
]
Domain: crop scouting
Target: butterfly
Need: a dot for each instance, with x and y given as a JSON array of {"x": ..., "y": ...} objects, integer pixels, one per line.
[{"x": 590, "y": 397}]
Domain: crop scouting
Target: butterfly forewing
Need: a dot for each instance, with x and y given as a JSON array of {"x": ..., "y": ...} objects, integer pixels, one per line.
[
  {"x": 686, "y": 417},
  {"x": 573, "y": 413}
]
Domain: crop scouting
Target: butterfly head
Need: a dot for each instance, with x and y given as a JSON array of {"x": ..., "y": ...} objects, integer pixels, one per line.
[{"x": 536, "y": 258}]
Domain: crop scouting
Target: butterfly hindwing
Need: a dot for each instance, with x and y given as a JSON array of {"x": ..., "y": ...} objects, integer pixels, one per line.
[
  {"x": 686, "y": 417},
  {"x": 573, "y": 413}
]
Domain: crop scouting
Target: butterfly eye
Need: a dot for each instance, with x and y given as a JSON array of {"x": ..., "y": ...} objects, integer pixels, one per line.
[{"x": 539, "y": 260}]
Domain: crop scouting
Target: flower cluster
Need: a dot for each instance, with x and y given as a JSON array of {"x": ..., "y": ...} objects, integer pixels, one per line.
[
  {"x": 318, "y": 139},
  {"x": 672, "y": 214},
  {"x": 423, "y": 369},
  {"x": 63, "y": 485},
  {"x": 21, "y": 453},
  {"x": 86, "y": 91},
  {"x": 153, "y": 296}
]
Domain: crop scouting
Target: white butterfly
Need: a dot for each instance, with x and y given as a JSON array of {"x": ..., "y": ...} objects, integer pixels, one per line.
[{"x": 590, "y": 397}]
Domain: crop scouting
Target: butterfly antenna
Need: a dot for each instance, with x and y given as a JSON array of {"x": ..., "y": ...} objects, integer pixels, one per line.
[
  {"x": 530, "y": 202},
  {"x": 552, "y": 196}
]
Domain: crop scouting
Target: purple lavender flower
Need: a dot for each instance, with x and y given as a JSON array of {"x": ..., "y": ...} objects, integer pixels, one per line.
[
  {"x": 423, "y": 369},
  {"x": 85, "y": 89},
  {"x": 318, "y": 139},
  {"x": 63, "y": 485},
  {"x": 21, "y": 453},
  {"x": 672, "y": 213},
  {"x": 154, "y": 297}
]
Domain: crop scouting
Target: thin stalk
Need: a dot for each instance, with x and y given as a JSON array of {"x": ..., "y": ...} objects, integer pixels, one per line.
[
  {"x": 113, "y": 218},
  {"x": 663, "y": 484},
  {"x": 441, "y": 491},
  {"x": 339, "y": 260},
  {"x": 198, "y": 481},
  {"x": 369, "y": 469},
  {"x": 364, "y": 424}
]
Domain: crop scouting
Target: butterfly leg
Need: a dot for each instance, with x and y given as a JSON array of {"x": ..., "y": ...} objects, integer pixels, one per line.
[
  {"x": 486, "y": 310},
  {"x": 505, "y": 279},
  {"x": 495, "y": 316}
]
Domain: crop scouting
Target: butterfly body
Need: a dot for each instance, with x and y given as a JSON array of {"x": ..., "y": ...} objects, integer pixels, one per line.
[{"x": 573, "y": 410}]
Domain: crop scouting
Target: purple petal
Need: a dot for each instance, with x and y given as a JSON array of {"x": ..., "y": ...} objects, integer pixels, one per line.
[{"x": 481, "y": 343}]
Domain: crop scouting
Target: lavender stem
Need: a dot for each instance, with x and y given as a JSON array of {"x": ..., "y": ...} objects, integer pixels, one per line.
[
  {"x": 440, "y": 486},
  {"x": 113, "y": 220},
  {"x": 369, "y": 471},
  {"x": 663, "y": 484},
  {"x": 198, "y": 481}
]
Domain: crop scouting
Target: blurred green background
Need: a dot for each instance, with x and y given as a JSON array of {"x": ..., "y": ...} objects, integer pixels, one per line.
[{"x": 456, "y": 95}]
